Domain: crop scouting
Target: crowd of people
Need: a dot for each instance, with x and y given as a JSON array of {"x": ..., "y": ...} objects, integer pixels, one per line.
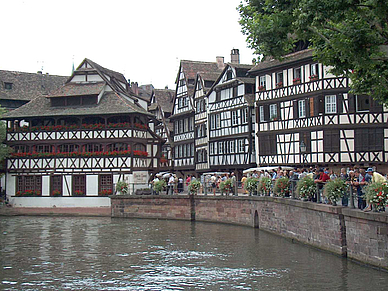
[{"x": 356, "y": 177}]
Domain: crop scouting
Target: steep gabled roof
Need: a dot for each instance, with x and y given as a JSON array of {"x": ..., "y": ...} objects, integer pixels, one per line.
[
  {"x": 110, "y": 103},
  {"x": 79, "y": 89},
  {"x": 164, "y": 98},
  {"x": 290, "y": 58},
  {"x": 27, "y": 86}
]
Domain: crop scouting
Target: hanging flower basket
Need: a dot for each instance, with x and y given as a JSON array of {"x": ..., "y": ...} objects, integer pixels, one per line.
[
  {"x": 282, "y": 187},
  {"x": 306, "y": 188},
  {"x": 264, "y": 186},
  {"x": 377, "y": 195},
  {"x": 335, "y": 189}
]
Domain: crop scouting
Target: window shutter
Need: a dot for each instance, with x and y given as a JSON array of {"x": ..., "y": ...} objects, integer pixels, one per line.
[
  {"x": 320, "y": 104},
  {"x": 351, "y": 103},
  {"x": 307, "y": 106},
  {"x": 295, "y": 106},
  {"x": 340, "y": 98},
  {"x": 266, "y": 112},
  {"x": 235, "y": 91},
  {"x": 257, "y": 115},
  {"x": 218, "y": 96}
]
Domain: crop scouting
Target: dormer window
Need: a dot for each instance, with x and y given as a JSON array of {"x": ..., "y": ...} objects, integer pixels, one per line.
[
  {"x": 8, "y": 86},
  {"x": 74, "y": 100},
  {"x": 229, "y": 75}
]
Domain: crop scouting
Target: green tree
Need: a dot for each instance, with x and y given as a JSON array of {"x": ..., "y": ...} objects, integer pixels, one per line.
[{"x": 351, "y": 36}]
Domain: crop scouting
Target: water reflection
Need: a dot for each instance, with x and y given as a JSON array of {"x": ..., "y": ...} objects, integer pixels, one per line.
[{"x": 48, "y": 253}]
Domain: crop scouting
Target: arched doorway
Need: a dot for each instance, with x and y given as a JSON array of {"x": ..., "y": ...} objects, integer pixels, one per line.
[{"x": 256, "y": 220}]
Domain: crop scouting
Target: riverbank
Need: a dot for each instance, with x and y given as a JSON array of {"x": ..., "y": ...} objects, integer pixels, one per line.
[
  {"x": 56, "y": 211},
  {"x": 362, "y": 236}
]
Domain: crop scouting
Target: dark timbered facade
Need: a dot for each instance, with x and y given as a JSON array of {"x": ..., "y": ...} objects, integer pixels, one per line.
[
  {"x": 231, "y": 120},
  {"x": 80, "y": 140},
  {"x": 307, "y": 116}
]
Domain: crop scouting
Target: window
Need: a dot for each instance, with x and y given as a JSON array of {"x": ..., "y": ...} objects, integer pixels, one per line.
[
  {"x": 21, "y": 149},
  {"x": 180, "y": 151},
  {"x": 186, "y": 125},
  {"x": 208, "y": 84},
  {"x": 105, "y": 186},
  {"x": 68, "y": 148},
  {"x": 302, "y": 108},
  {"x": 218, "y": 120},
  {"x": 176, "y": 127},
  {"x": 297, "y": 74},
  {"x": 241, "y": 145},
  {"x": 74, "y": 101},
  {"x": 244, "y": 115},
  {"x": 7, "y": 86},
  {"x": 184, "y": 152},
  {"x": 89, "y": 100},
  {"x": 331, "y": 104},
  {"x": 181, "y": 82},
  {"x": 220, "y": 147},
  {"x": 198, "y": 106},
  {"x": 331, "y": 141},
  {"x": 181, "y": 126},
  {"x": 29, "y": 183},
  {"x": 56, "y": 185},
  {"x": 184, "y": 101},
  {"x": 273, "y": 112},
  {"x": 314, "y": 72},
  {"x": 267, "y": 145},
  {"x": 369, "y": 139},
  {"x": 362, "y": 103},
  {"x": 261, "y": 113},
  {"x": 262, "y": 83},
  {"x": 279, "y": 79},
  {"x": 235, "y": 117},
  {"x": 117, "y": 147},
  {"x": 211, "y": 148},
  {"x": 79, "y": 185},
  {"x": 232, "y": 146},
  {"x": 212, "y": 121},
  {"x": 191, "y": 123},
  {"x": 190, "y": 81},
  {"x": 58, "y": 101},
  {"x": 43, "y": 148},
  {"x": 229, "y": 75},
  {"x": 192, "y": 149}
]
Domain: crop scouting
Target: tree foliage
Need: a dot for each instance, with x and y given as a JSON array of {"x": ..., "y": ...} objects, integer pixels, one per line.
[
  {"x": 351, "y": 36},
  {"x": 4, "y": 149}
]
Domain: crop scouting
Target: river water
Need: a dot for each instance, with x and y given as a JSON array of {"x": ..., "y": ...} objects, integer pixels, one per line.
[{"x": 72, "y": 253}]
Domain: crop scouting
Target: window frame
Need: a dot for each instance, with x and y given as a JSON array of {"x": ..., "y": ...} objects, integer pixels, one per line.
[{"x": 330, "y": 104}]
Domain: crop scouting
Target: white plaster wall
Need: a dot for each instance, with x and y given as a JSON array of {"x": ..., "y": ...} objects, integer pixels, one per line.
[
  {"x": 78, "y": 78},
  {"x": 143, "y": 104},
  {"x": 91, "y": 185},
  {"x": 10, "y": 186},
  {"x": 94, "y": 78},
  {"x": 240, "y": 90},
  {"x": 60, "y": 201},
  {"x": 45, "y": 185},
  {"x": 66, "y": 192}
]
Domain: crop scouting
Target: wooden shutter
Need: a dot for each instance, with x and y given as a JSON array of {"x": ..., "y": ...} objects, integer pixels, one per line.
[
  {"x": 351, "y": 103},
  {"x": 340, "y": 100},
  {"x": 295, "y": 107},
  {"x": 307, "y": 105},
  {"x": 266, "y": 112}
]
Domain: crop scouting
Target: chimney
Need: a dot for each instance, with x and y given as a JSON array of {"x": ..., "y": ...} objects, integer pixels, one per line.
[
  {"x": 235, "y": 56},
  {"x": 220, "y": 62},
  {"x": 135, "y": 88}
]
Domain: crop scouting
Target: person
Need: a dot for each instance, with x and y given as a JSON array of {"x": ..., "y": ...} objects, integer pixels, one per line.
[
  {"x": 320, "y": 179},
  {"x": 373, "y": 177},
  {"x": 180, "y": 185},
  {"x": 233, "y": 186},
  {"x": 333, "y": 175},
  {"x": 170, "y": 185},
  {"x": 359, "y": 184},
  {"x": 188, "y": 179},
  {"x": 255, "y": 174},
  {"x": 156, "y": 179},
  {"x": 213, "y": 181},
  {"x": 243, "y": 179}
]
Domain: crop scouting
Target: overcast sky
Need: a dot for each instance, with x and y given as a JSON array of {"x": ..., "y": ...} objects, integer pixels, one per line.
[{"x": 144, "y": 40}]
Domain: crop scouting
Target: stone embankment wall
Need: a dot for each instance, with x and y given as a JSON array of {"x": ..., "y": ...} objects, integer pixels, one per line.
[{"x": 347, "y": 232}]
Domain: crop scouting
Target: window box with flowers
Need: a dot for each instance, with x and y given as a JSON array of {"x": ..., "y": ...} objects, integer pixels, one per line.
[
  {"x": 28, "y": 193},
  {"x": 261, "y": 88},
  {"x": 141, "y": 126},
  {"x": 296, "y": 81},
  {"x": 105, "y": 192},
  {"x": 313, "y": 77},
  {"x": 78, "y": 193},
  {"x": 279, "y": 85},
  {"x": 140, "y": 154},
  {"x": 163, "y": 160},
  {"x": 56, "y": 193}
]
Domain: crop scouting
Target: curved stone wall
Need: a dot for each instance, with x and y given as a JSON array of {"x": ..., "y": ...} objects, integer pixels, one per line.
[{"x": 343, "y": 231}]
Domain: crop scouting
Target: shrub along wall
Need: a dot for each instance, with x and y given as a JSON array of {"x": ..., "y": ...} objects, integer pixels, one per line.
[{"x": 347, "y": 232}]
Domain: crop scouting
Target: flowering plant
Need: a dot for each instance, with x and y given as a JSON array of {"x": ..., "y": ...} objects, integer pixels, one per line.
[
  {"x": 141, "y": 126},
  {"x": 122, "y": 187},
  {"x": 279, "y": 84},
  {"x": 226, "y": 186},
  {"x": 28, "y": 193},
  {"x": 140, "y": 153},
  {"x": 163, "y": 160},
  {"x": 78, "y": 193},
  {"x": 282, "y": 186},
  {"x": 56, "y": 193},
  {"x": 251, "y": 185},
  {"x": 105, "y": 192},
  {"x": 265, "y": 185},
  {"x": 335, "y": 189},
  {"x": 313, "y": 77},
  {"x": 159, "y": 186},
  {"x": 261, "y": 88},
  {"x": 296, "y": 80},
  {"x": 306, "y": 188},
  {"x": 377, "y": 194},
  {"x": 194, "y": 186}
]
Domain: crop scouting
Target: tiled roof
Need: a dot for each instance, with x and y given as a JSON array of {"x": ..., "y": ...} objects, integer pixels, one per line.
[
  {"x": 192, "y": 68},
  {"x": 300, "y": 55},
  {"x": 78, "y": 89},
  {"x": 110, "y": 103},
  {"x": 118, "y": 76},
  {"x": 165, "y": 98},
  {"x": 27, "y": 86}
]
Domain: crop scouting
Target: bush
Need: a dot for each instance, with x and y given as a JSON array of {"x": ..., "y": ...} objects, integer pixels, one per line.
[
  {"x": 122, "y": 187},
  {"x": 377, "y": 194},
  {"x": 282, "y": 186},
  {"x": 335, "y": 189},
  {"x": 306, "y": 188},
  {"x": 265, "y": 185},
  {"x": 226, "y": 186},
  {"x": 251, "y": 184},
  {"x": 194, "y": 186},
  {"x": 159, "y": 186}
]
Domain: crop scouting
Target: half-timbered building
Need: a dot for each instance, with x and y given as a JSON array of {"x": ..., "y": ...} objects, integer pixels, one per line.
[
  {"x": 78, "y": 142},
  {"x": 231, "y": 119},
  {"x": 184, "y": 112},
  {"x": 307, "y": 116},
  {"x": 161, "y": 107}
]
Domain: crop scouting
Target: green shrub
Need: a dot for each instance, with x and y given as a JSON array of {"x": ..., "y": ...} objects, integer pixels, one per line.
[
  {"x": 335, "y": 189},
  {"x": 226, "y": 186},
  {"x": 159, "y": 185},
  {"x": 306, "y": 188},
  {"x": 194, "y": 186},
  {"x": 282, "y": 186}
]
